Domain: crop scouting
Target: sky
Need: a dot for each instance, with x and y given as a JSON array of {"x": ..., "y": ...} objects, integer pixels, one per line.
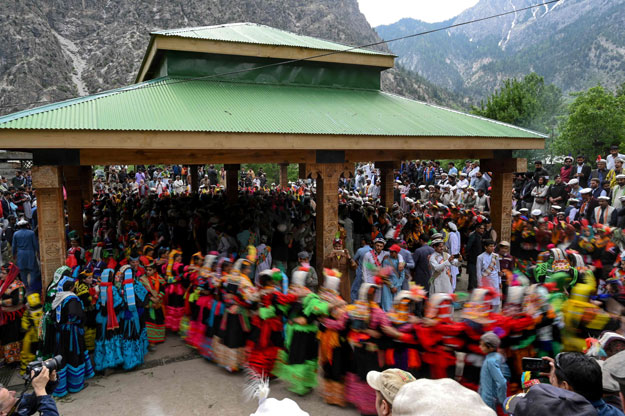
[{"x": 384, "y": 12}]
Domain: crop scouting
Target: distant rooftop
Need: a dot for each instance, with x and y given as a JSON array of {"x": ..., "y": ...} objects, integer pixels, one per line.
[{"x": 254, "y": 33}]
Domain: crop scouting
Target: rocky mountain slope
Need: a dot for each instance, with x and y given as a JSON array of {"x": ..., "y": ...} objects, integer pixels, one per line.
[
  {"x": 574, "y": 44},
  {"x": 52, "y": 50}
]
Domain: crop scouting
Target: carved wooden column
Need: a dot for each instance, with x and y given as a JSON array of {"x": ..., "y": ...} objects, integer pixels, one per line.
[
  {"x": 284, "y": 177},
  {"x": 73, "y": 187},
  {"x": 501, "y": 192},
  {"x": 86, "y": 185},
  {"x": 195, "y": 180},
  {"x": 302, "y": 171},
  {"x": 232, "y": 182},
  {"x": 327, "y": 211},
  {"x": 387, "y": 180},
  {"x": 47, "y": 181}
]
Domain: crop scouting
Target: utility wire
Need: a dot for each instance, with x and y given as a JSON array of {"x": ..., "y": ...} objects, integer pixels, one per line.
[{"x": 290, "y": 61}]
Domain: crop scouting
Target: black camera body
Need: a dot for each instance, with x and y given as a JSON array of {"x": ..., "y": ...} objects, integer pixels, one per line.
[{"x": 35, "y": 367}]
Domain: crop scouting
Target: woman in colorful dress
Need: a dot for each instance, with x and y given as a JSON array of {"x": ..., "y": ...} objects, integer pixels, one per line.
[
  {"x": 174, "y": 311},
  {"x": 108, "y": 345},
  {"x": 12, "y": 307},
  {"x": 189, "y": 283},
  {"x": 298, "y": 364},
  {"x": 155, "y": 307},
  {"x": 134, "y": 334},
  {"x": 30, "y": 327},
  {"x": 86, "y": 292},
  {"x": 70, "y": 340},
  {"x": 48, "y": 324}
]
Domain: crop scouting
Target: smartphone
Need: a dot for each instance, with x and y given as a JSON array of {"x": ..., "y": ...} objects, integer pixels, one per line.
[{"x": 536, "y": 365}]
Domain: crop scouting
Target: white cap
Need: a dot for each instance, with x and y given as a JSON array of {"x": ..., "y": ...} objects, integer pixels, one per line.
[
  {"x": 515, "y": 212},
  {"x": 421, "y": 186},
  {"x": 556, "y": 207},
  {"x": 603, "y": 198},
  {"x": 299, "y": 278},
  {"x": 621, "y": 176},
  {"x": 426, "y": 397},
  {"x": 22, "y": 222},
  {"x": 536, "y": 212},
  {"x": 573, "y": 182},
  {"x": 524, "y": 210},
  {"x": 585, "y": 191}
]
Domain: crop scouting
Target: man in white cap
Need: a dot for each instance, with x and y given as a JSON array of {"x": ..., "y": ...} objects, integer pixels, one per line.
[
  {"x": 588, "y": 205},
  {"x": 373, "y": 258},
  {"x": 614, "y": 154},
  {"x": 618, "y": 191},
  {"x": 572, "y": 209},
  {"x": 453, "y": 245},
  {"x": 575, "y": 188},
  {"x": 440, "y": 264},
  {"x": 604, "y": 214},
  {"x": 386, "y": 385}
]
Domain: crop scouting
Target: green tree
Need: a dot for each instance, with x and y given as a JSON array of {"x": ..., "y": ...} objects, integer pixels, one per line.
[
  {"x": 528, "y": 103},
  {"x": 596, "y": 120}
]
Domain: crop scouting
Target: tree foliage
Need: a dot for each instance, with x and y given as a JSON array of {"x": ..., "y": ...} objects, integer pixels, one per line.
[
  {"x": 595, "y": 121},
  {"x": 528, "y": 103}
]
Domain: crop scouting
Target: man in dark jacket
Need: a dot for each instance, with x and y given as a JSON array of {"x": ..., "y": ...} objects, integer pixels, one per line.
[
  {"x": 556, "y": 194},
  {"x": 421, "y": 256},
  {"x": 40, "y": 402},
  {"x": 472, "y": 250},
  {"x": 582, "y": 171}
]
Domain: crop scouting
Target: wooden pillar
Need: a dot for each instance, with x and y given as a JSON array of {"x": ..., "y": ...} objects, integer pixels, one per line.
[
  {"x": 327, "y": 211},
  {"x": 387, "y": 180},
  {"x": 501, "y": 204},
  {"x": 48, "y": 182},
  {"x": 195, "y": 180},
  {"x": 232, "y": 182},
  {"x": 502, "y": 169},
  {"x": 302, "y": 171},
  {"x": 86, "y": 186},
  {"x": 284, "y": 177},
  {"x": 73, "y": 184}
]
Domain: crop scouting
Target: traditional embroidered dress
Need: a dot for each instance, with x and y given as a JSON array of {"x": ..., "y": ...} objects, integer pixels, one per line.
[
  {"x": 232, "y": 334},
  {"x": 155, "y": 308},
  {"x": 334, "y": 350},
  {"x": 267, "y": 334},
  {"x": 441, "y": 280},
  {"x": 406, "y": 352},
  {"x": 30, "y": 326},
  {"x": 86, "y": 295},
  {"x": 364, "y": 314},
  {"x": 298, "y": 364},
  {"x": 47, "y": 328},
  {"x": 191, "y": 295},
  {"x": 174, "y": 311},
  {"x": 108, "y": 345},
  {"x": 12, "y": 307},
  {"x": 134, "y": 334},
  {"x": 70, "y": 341}
]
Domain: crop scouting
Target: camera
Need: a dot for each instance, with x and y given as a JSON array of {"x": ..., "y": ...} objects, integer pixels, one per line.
[{"x": 36, "y": 366}]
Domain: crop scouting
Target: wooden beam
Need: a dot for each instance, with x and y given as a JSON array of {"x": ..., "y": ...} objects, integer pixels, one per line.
[
  {"x": 284, "y": 177},
  {"x": 121, "y": 141},
  {"x": 501, "y": 205},
  {"x": 505, "y": 165}
]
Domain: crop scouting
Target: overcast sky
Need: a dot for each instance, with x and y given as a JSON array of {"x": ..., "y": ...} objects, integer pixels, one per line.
[{"x": 383, "y": 12}]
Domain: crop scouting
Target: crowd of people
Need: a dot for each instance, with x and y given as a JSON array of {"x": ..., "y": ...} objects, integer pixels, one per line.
[{"x": 237, "y": 282}]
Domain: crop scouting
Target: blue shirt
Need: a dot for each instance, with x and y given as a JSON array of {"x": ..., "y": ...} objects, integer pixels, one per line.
[
  {"x": 604, "y": 409},
  {"x": 493, "y": 383}
]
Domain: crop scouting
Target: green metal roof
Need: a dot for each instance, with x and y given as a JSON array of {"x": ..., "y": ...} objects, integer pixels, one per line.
[
  {"x": 179, "y": 104},
  {"x": 262, "y": 35}
]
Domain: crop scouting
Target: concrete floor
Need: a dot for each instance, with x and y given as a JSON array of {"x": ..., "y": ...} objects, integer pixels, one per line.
[{"x": 177, "y": 383}]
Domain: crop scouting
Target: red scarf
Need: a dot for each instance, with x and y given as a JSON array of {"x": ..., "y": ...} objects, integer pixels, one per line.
[
  {"x": 12, "y": 274},
  {"x": 111, "y": 322}
]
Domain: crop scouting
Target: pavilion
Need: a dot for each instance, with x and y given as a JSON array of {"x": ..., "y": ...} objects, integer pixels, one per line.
[{"x": 245, "y": 92}]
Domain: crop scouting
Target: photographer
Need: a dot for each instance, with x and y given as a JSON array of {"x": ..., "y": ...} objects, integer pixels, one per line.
[{"x": 39, "y": 401}]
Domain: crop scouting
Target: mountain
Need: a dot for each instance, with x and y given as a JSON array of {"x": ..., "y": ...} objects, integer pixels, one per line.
[
  {"x": 52, "y": 50},
  {"x": 573, "y": 44}
]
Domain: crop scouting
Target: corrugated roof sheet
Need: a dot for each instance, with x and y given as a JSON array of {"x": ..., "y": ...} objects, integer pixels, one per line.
[
  {"x": 178, "y": 104},
  {"x": 260, "y": 34}
]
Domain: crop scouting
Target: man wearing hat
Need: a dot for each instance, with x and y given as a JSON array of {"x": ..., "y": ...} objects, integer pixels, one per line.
[
  {"x": 25, "y": 246},
  {"x": 618, "y": 190},
  {"x": 373, "y": 260},
  {"x": 341, "y": 260},
  {"x": 386, "y": 385},
  {"x": 572, "y": 209},
  {"x": 588, "y": 204},
  {"x": 440, "y": 263},
  {"x": 604, "y": 214}
]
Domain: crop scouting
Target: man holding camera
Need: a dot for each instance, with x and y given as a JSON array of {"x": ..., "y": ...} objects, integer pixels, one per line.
[{"x": 39, "y": 401}]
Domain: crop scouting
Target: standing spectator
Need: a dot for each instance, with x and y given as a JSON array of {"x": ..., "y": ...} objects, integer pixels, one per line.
[
  {"x": 25, "y": 250},
  {"x": 441, "y": 263},
  {"x": 18, "y": 180},
  {"x": 539, "y": 170},
  {"x": 614, "y": 154},
  {"x": 540, "y": 193},
  {"x": 488, "y": 271},
  {"x": 566, "y": 171},
  {"x": 493, "y": 383},
  {"x": 421, "y": 257},
  {"x": 453, "y": 246},
  {"x": 472, "y": 250},
  {"x": 582, "y": 171},
  {"x": 358, "y": 258},
  {"x": 556, "y": 194}
]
